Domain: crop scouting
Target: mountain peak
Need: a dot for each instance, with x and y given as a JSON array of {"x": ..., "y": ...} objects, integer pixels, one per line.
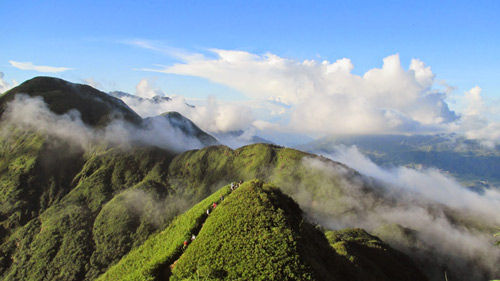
[
  {"x": 96, "y": 108},
  {"x": 188, "y": 128},
  {"x": 155, "y": 100}
]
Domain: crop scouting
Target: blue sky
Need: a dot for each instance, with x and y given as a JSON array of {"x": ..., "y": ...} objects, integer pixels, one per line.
[{"x": 459, "y": 40}]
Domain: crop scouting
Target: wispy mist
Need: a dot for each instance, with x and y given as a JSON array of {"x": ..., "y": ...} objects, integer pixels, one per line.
[
  {"x": 453, "y": 226},
  {"x": 152, "y": 209},
  {"x": 34, "y": 114},
  {"x": 211, "y": 116}
]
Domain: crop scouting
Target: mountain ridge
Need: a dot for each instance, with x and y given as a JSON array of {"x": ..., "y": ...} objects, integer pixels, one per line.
[
  {"x": 77, "y": 223},
  {"x": 288, "y": 247}
]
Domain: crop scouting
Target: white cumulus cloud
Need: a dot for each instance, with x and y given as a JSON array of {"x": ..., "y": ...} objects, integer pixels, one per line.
[
  {"x": 324, "y": 97},
  {"x": 210, "y": 115},
  {"x": 144, "y": 89},
  {"x": 4, "y": 85},
  {"x": 474, "y": 122}
]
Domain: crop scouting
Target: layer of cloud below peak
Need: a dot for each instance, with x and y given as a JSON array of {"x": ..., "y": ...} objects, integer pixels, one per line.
[
  {"x": 419, "y": 199},
  {"x": 211, "y": 116},
  {"x": 25, "y": 112}
]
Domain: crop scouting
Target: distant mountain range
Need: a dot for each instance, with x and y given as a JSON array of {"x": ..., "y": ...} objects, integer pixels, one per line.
[
  {"x": 128, "y": 211},
  {"x": 155, "y": 99},
  {"x": 230, "y": 136},
  {"x": 468, "y": 160}
]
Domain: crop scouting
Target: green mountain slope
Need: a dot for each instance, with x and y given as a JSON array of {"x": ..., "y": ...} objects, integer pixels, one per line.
[
  {"x": 374, "y": 256},
  {"x": 69, "y": 212},
  {"x": 33, "y": 176},
  {"x": 95, "y": 223},
  {"x": 37, "y": 168},
  {"x": 95, "y": 107},
  {"x": 255, "y": 233},
  {"x": 152, "y": 259},
  {"x": 98, "y": 221},
  {"x": 282, "y": 166},
  {"x": 329, "y": 191}
]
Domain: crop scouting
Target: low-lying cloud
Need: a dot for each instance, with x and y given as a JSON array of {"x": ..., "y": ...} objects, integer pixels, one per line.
[
  {"x": 33, "y": 114},
  {"x": 429, "y": 182},
  {"x": 453, "y": 225},
  {"x": 211, "y": 116}
]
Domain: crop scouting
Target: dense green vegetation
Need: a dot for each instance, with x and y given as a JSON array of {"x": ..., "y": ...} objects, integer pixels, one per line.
[
  {"x": 33, "y": 175},
  {"x": 113, "y": 205},
  {"x": 95, "y": 224},
  {"x": 69, "y": 213},
  {"x": 370, "y": 253},
  {"x": 248, "y": 236},
  {"x": 282, "y": 166},
  {"x": 255, "y": 233},
  {"x": 150, "y": 261}
]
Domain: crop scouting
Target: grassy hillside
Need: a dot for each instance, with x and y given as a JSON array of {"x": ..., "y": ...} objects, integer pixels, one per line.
[
  {"x": 111, "y": 207},
  {"x": 121, "y": 196},
  {"x": 255, "y": 233},
  {"x": 151, "y": 260},
  {"x": 327, "y": 191},
  {"x": 284, "y": 167},
  {"x": 366, "y": 251},
  {"x": 33, "y": 176},
  {"x": 68, "y": 213}
]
